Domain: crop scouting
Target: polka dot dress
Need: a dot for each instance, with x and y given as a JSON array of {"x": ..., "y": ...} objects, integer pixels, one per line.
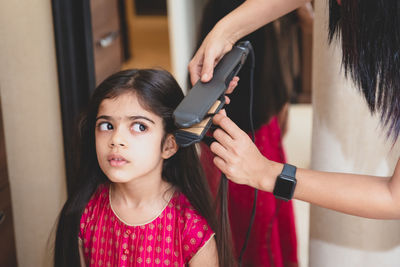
[{"x": 171, "y": 239}]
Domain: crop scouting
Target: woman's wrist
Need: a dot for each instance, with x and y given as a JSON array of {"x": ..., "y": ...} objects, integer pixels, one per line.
[
  {"x": 228, "y": 29},
  {"x": 266, "y": 179}
]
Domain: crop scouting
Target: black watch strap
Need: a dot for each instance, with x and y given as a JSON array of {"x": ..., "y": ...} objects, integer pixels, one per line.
[
  {"x": 289, "y": 170},
  {"x": 285, "y": 183}
]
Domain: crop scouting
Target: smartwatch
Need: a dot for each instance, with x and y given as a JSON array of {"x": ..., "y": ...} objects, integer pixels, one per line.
[{"x": 285, "y": 183}]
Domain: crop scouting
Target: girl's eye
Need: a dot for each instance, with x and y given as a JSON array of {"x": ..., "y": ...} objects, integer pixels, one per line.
[
  {"x": 105, "y": 126},
  {"x": 138, "y": 127}
]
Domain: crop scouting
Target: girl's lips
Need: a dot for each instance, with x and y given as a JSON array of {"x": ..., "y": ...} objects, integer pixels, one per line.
[
  {"x": 116, "y": 160},
  {"x": 117, "y": 163}
]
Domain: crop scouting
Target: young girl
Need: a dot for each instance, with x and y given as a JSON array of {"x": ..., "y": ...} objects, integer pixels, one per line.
[{"x": 141, "y": 199}]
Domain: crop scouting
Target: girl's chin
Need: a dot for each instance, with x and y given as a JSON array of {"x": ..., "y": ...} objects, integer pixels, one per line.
[
  {"x": 119, "y": 177},
  {"x": 118, "y": 180}
]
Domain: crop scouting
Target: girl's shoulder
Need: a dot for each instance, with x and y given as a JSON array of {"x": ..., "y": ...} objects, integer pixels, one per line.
[
  {"x": 194, "y": 228},
  {"x": 188, "y": 216},
  {"x": 182, "y": 204}
]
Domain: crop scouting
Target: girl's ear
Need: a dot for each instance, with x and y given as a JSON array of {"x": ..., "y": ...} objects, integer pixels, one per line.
[{"x": 170, "y": 147}]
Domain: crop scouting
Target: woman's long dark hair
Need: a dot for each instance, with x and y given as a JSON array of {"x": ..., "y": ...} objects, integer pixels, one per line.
[
  {"x": 158, "y": 92},
  {"x": 370, "y": 35}
]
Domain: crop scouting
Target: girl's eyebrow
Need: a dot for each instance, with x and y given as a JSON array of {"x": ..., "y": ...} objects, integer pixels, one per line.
[
  {"x": 132, "y": 118},
  {"x": 105, "y": 117}
]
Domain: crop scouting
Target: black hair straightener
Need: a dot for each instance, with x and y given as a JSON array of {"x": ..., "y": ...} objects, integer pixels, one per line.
[{"x": 193, "y": 116}]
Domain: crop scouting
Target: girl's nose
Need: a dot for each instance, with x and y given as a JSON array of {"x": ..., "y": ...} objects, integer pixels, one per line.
[
  {"x": 117, "y": 140},
  {"x": 113, "y": 144}
]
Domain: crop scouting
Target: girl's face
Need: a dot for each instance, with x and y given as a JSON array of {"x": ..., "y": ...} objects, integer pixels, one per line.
[{"x": 128, "y": 140}]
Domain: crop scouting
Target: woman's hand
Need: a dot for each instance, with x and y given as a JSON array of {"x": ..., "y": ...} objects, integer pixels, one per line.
[
  {"x": 248, "y": 17},
  {"x": 238, "y": 157},
  {"x": 213, "y": 48}
]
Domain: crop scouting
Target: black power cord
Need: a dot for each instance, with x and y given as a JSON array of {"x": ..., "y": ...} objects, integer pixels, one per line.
[
  {"x": 253, "y": 212},
  {"x": 224, "y": 181}
]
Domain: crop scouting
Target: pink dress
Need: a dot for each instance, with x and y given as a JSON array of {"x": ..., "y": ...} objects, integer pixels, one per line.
[{"x": 171, "y": 239}]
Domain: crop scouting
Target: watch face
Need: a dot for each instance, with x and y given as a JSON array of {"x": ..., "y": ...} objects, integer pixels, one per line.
[{"x": 284, "y": 187}]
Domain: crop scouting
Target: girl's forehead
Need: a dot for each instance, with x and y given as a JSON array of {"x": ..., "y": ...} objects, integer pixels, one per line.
[{"x": 126, "y": 104}]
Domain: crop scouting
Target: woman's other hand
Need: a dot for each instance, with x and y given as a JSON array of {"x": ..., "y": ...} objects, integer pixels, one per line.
[{"x": 238, "y": 157}]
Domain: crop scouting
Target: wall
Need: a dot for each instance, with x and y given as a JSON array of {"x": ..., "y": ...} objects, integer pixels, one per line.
[
  {"x": 299, "y": 154},
  {"x": 183, "y": 20},
  {"x": 346, "y": 138},
  {"x": 32, "y": 121}
]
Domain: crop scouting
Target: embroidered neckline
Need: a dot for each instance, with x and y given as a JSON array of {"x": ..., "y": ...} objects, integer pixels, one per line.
[{"x": 141, "y": 224}]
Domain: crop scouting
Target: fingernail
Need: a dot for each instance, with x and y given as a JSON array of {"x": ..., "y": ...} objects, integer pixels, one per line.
[{"x": 204, "y": 77}]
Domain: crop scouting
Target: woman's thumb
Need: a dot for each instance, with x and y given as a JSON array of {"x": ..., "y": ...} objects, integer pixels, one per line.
[{"x": 208, "y": 67}]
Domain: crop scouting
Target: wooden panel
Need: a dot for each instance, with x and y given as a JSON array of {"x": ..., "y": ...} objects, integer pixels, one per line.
[
  {"x": 3, "y": 160},
  {"x": 151, "y": 7},
  {"x": 107, "y": 44},
  {"x": 7, "y": 243}
]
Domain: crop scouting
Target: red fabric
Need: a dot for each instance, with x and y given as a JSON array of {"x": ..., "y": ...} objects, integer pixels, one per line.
[
  {"x": 272, "y": 241},
  {"x": 170, "y": 239}
]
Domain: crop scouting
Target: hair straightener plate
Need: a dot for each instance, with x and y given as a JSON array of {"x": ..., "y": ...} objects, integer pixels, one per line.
[{"x": 193, "y": 116}]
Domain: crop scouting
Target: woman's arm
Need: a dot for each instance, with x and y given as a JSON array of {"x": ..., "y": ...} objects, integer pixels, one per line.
[
  {"x": 248, "y": 17},
  {"x": 206, "y": 256},
  {"x": 360, "y": 195}
]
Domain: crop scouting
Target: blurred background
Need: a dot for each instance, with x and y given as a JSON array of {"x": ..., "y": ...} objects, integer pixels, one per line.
[{"x": 53, "y": 54}]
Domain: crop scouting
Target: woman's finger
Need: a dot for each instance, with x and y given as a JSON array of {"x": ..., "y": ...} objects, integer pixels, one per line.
[
  {"x": 220, "y": 164},
  {"x": 228, "y": 126},
  {"x": 195, "y": 67},
  {"x": 220, "y": 151},
  {"x": 227, "y": 101},
  {"x": 223, "y": 138},
  {"x": 209, "y": 62},
  {"x": 232, "y": 85},
  {"x": 222, "y": 111}
]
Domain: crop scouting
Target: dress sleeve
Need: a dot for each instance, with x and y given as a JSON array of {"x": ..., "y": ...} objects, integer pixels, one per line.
[{"x": 196, "y": 234}]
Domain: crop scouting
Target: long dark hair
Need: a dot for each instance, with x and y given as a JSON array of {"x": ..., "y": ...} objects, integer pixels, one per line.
[
  {"x": 370, "y": 35},
  {"x": 158, "y": 92}
]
